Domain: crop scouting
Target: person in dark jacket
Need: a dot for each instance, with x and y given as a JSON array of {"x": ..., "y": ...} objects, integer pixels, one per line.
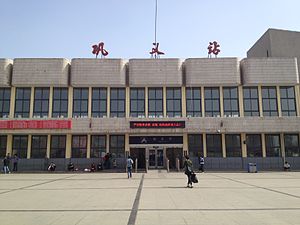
[
  {"x": 5, "y": 165},
  {"x": 188, "y": 170}
]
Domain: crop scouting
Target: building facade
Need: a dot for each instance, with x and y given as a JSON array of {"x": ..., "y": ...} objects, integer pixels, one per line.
[{"x": 230, "y": 111}]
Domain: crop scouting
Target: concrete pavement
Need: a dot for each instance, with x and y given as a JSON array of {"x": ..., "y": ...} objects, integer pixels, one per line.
[{"x": 157, "y": 197}]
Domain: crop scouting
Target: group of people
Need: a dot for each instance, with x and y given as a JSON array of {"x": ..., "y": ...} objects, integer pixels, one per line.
[{"x": 6, "y": 163}]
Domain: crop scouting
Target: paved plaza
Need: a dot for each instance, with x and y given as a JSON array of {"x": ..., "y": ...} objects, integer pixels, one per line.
[{"x": 156, "y": 197}]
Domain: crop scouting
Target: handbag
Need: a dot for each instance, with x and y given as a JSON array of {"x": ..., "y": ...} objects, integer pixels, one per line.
[{"x": 194, "y": 178}]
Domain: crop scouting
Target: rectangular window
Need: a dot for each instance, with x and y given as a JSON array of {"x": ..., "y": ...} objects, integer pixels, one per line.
[
  {"x": 250, "y": 96},
  {"x": 117, "y": 102},
  {"x": 98, "y": 146},
  {"x": 254, "y": 147},
  {"x": 38, "y": 146},
  {"x": 273, "y": 145},
  {"x": 288, "y": 101},
  {"x": 193, "y": 102},
  {"x": 195, "y": 145},
  {"x": 3, "y": 143},
  {"x": 22, "y": 103},
  {"x": 58, "y": 146},
  {"x": 231, "y": 101},
  {"x": 79, "y": 146},
  {"x": 41, "y": 102},
  {"x": 269, "y": 101},
  {"x": 60, "y": 102},
  {"x": 212, "y": 101},
  {"x": 99, "y": 102},
  {"x": 80, "y": 102},
  {"x": 174, "y": 102},
  {"x": 4, "y": 102},
  {"x": 291, "y": 144},
  {"x": 214, "y": 145},
  {"x": 233, "y": 145},
  {"x": 20, "y": 144},
  {"x": 155, "y": 102},
  {"x": 137, "y": 102},
  {"x": 117, "y": 146}
]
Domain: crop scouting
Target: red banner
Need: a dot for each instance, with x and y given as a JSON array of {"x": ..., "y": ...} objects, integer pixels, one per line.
[{"x": 36, "y": 124}]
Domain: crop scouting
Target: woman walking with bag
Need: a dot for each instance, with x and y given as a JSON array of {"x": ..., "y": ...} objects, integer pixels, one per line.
[{"x": 188, "y": 170}]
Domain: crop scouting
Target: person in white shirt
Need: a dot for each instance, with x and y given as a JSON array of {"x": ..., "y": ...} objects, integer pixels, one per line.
[{"x": 129, "y": 167}]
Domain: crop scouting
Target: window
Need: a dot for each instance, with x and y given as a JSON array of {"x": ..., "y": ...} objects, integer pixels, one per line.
[
  {"x": 58, "y": 146},
  {"x": 250, "y": 95},
  {"x": 22, "y": 103},
  {"x": 99, "y": 102},
  {"x": 288, "y": 101},
  {"x": 20, "y": 144},
  {"x": 3, "y": 143},
  {"x": 173, "y": 102},
  {"x": 273, "y": 145},
  {"x": 155, "y": 102},
  {"x": 291, "y": 143},
  {"x": 195, "y": 145},
  {"x": 137, "y": 102},
  {"x": 214, "y": 145},
  {"x": 212, "y": 101},
  {"x": 4, "y": 102},
  {"x": 231, "y": 101},
  {"x": 193, "y": 102},
  {"x": 233, "y": 145},
  {"x": 98, "y": 146},
  {"x": 60, "y": 102},
  {"x": 254, "y": 147},
  {"x": 38, "y": 146},
  {"x": 41, "y": 102},
  {"x": 269, "y": 101},
  {"x": 79, "y": 143},
  {"x": 80, "y": 102},
  {"x": 117, "y": 102},
  {"x": 117, "y": 146}
]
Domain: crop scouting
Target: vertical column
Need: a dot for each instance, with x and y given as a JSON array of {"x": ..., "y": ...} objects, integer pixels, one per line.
[
  {"x": 204, "y": 145},
  {"x": 282, "y": 145},
  {"x": 127, "y": 102},
  {"x": 31, "y": 102},
  {"x": 183, "y": 101},
  {"x": 69, "y": 146},
  {"x": 261, "y": 114},
  {"x": 12, "y": 102},
  {"x": 263, "y": 145},
  {"x": 221, "y": 101},
  {"x": 29, "y": 146},
  {"x": 127, "y": 148},
  {"x": 297, "y": 98},
  {"x": 108, "y": 102},
  {"x": 107, "y": 142},
  {"x": 278, "y": 101},
  {"x": 88, "y": 146},
  {"x": 185, "y": 142},
  {"x": 146, "y": 102},
  {"x": 70, "y": 102},
  {"x": 48, "y": 146},
  {"x": 165, "y": 101},
  {"x": 50, "y": 102},
  {"x": 202, "y": 102},
  {"x": 90, "y": 103},
  {"x": 9, "y": 144},
  {"x": 241, "y": 100},
  {"x": 244, "y": 145},
  {"x": 223, "y": 145}
]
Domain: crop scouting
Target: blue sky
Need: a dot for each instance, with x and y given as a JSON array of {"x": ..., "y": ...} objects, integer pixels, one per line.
[{"x": 68, "y": 28}]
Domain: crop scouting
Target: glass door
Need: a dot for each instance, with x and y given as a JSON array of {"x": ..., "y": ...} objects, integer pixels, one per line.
[{"x": 156, "y": 158}]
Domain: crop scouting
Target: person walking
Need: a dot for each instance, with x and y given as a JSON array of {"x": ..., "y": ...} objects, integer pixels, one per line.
[
  {"x": 188, "y": 170},
  {"x": 201, "y": 164},
  {"x": 5, "y": 165},
  {"x": 129, "y": 167},
  {"x": 15, "y": 162}
]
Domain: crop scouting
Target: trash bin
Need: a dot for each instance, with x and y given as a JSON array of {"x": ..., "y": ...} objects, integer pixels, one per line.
[{"x": 252, "y": 168}]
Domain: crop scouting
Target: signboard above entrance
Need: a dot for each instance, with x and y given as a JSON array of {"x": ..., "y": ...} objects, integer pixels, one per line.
[
  {"x": 160, "y": 124},
  {"x": 155, "y": 140}
]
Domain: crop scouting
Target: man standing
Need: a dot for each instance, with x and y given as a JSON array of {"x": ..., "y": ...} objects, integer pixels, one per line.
[
  {"x": 201, "y": 164},
  {"x": 129, "y": 167},
  {"x": 15, "y": 162},
  {"x": 5, "y": 165}
]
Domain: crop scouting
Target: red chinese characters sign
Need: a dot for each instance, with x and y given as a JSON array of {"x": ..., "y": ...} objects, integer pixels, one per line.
[
  {"x": 36, "y": 124},
  {"x": 99, "y": 48},
  {"x": 160, "y": 124}
]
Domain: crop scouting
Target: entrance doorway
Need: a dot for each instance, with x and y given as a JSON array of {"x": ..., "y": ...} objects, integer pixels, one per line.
[
  {"x": 139, "y": 154},
  {"x": 156, "y": 158}
]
